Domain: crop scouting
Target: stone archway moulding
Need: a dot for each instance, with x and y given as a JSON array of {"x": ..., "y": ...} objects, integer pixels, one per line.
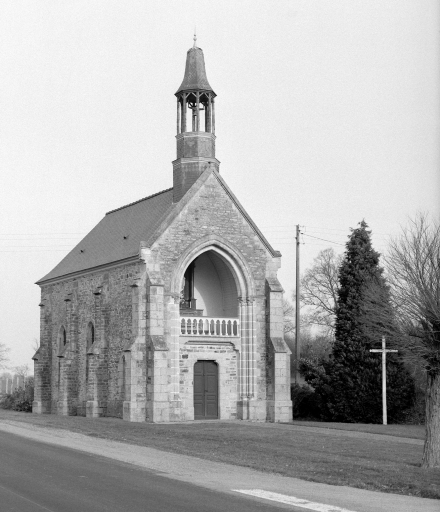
[
  {"x": 229, "y": 253},
  {"x": 241, "y": 272}
]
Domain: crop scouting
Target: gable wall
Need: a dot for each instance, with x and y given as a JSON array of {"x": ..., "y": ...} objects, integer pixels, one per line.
[{"x": 212, "y": 212}]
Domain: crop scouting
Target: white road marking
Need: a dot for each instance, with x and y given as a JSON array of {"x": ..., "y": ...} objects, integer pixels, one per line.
[{"x": 291, "y": 500}]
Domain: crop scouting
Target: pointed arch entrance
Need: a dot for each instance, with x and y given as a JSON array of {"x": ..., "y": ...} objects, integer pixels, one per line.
[{"x": 214, "y": 290}]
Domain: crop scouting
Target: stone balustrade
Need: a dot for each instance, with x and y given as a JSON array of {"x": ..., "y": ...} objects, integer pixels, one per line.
[{"x": 209, "y": 326}]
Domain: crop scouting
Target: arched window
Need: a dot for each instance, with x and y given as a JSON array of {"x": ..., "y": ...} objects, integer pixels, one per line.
[
  {"x": 62, "y": 339},
  {"x": 90, "y": 336}
]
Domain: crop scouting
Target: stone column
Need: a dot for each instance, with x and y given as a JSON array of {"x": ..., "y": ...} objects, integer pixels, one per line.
[
  {"x": 252, "y": 347},
  {"x": 208, "y": 114},
  {"x": 178, "y": 116},
  {"x": 248, "y": 407},
  {"x": 184, "y": 108},
  {"x": 172, "y": 340},
  {"x": 242, "y": 412},
  {"x": 198, "y": 112},
  {"x": 213, "y": 116}
]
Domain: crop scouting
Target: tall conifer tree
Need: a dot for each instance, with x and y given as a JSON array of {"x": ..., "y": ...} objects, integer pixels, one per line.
[{"x": 350, "y": 388}]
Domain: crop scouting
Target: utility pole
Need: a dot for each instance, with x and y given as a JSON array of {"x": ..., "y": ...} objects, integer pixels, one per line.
[
  {"x": 384, "y": 351},
  {"x": 297, "y": 316}
]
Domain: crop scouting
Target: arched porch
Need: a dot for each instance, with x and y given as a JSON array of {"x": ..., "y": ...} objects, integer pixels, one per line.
[
  {"x": 209, "y": 298},
  {"x": 216, "y": 321}
]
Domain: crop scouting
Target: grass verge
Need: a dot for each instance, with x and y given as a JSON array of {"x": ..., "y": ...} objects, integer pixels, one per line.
[
  {"x": 409, "y": 431},
  {"x": 379, "y": 464}
]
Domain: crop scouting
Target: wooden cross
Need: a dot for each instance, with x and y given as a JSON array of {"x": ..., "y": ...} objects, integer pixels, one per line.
[{"x": 384, "y": 351}]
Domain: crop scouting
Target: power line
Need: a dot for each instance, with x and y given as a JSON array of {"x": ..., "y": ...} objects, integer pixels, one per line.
[
  {"x": 41, "y": 238},
  {"x": 344, "y": 230},
  {"x": 320, "y": 229},
  {"x": 330, "y": 241},
  {"x": 38, "y": 234},
  {"x": 32, "y": 246},
  {"x": 40, "y": 250},
  {"x": 286, "y": 230}
]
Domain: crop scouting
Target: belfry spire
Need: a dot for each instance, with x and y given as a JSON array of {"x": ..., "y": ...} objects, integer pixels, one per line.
[
  {"x": 195, "y": 78},
  {"x": 195, "y": 124}
]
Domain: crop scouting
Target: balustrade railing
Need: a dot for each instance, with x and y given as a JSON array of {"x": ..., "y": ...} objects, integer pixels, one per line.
[{"x": 208, "y": 326}]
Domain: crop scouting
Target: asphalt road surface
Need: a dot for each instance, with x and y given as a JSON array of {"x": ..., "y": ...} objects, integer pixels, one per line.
[{"x": 36, "y": 477}]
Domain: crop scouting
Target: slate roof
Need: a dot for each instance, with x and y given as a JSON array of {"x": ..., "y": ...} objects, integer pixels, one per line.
[
  {"x": 195, "y": 78},
  {"x": 117, "y": 237},
  {"x": 106, "y": 243}
]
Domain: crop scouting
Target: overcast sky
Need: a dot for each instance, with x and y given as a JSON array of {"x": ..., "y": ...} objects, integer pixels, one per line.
[{"x": 327, "y": 113}]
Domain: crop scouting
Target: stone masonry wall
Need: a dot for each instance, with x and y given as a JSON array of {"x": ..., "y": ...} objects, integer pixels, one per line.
[{"x": 104, "y": 299}]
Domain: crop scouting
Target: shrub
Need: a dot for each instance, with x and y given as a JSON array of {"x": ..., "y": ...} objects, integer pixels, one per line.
[
  {"x": 311, "y": 369},
  {"x": 20, "y": 399},
  {"x": 304, "y": 402},
  {"x": 6, "y": 401}
]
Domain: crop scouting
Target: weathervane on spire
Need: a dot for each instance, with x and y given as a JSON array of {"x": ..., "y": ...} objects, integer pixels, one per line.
[{"x": 195, "y": 38}]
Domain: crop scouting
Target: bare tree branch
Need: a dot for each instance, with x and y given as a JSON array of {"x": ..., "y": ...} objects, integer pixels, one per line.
[
  {"x": 35, "y": 344},
  {"x": 319, "y": 287},
  {"x": 21, "y": 370},
  {"x": 289, "y": 317},
  {"x": 413, "y": 268}
]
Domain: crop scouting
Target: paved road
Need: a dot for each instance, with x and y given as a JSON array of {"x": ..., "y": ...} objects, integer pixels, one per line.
[{"x": 37, "y": 477}]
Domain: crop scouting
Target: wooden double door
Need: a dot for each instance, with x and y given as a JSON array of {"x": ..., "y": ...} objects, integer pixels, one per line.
[{"x": 205, "y": 390}]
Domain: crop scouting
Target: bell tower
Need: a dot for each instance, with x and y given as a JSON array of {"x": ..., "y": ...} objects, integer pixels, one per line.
[{"x": 195, "y": 125}]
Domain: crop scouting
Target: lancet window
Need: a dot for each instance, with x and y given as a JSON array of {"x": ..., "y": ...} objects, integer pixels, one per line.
[{"x": 62, "y": 339}]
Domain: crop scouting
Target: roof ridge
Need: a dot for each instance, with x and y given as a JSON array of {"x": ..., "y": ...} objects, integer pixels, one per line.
[{"x": 140, "y": 200}]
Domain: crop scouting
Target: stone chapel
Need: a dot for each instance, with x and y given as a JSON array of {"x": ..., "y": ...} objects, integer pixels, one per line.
[{"x": 170, "y": 308}]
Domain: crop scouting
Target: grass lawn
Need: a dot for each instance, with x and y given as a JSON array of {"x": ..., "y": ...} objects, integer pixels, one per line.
[
  {"x": 411, "y": 431},
  {"x": 379, "y": 464}
]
